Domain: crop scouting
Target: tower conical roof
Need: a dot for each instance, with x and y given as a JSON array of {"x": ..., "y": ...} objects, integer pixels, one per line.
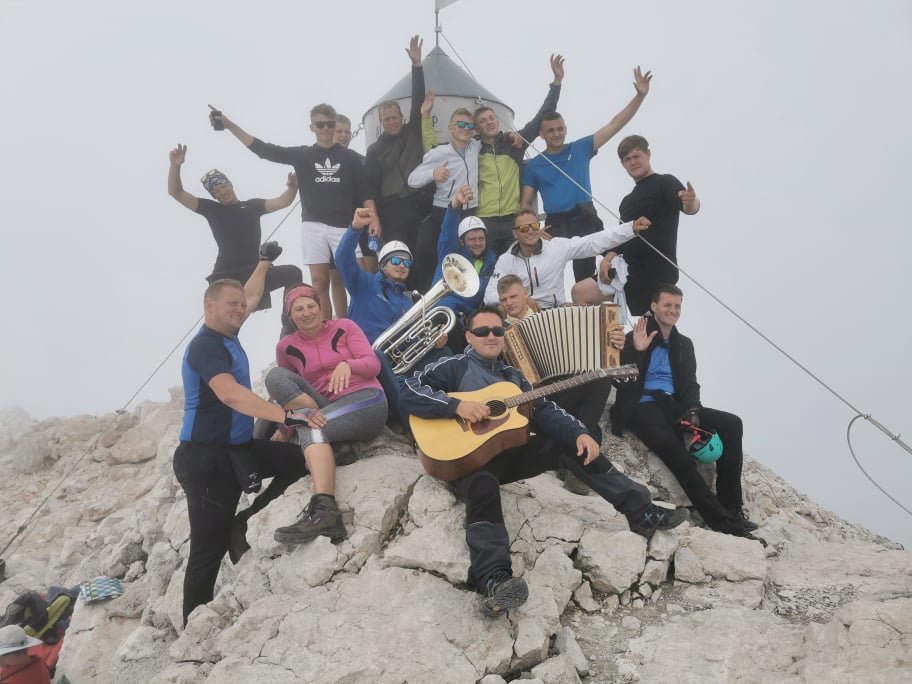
[{"x": 444, "y": 77}]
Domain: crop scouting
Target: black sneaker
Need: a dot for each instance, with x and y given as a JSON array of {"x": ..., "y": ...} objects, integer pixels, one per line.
[
  {"x": 744, "y": 534},
  {"x": 321, "y": 517},
  {"x": 659, "y": 518},
  {"x": 749, "y": 524},
  {"x": 575, "y": 485},
  {"x": 503, "y": 591}
]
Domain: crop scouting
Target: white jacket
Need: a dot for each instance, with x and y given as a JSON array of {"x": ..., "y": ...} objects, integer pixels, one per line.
[
  {"x": 543, "y": 273},
  {"x": 462, "y": 172}
]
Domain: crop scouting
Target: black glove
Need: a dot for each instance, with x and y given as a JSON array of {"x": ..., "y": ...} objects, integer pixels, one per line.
[
  {"x": 693, "y": 416},
  {"x": 297, "y": 416},
  {"x": 270, "y": 251}
]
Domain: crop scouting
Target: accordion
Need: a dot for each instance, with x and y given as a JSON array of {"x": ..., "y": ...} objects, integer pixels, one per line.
[{"x": 563, "y": 341}]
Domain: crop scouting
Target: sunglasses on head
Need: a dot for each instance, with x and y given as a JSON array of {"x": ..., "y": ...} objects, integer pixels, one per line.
[
  {"x": 324, "y": 124},
  {"x": 401, "y": 261},
  {"x": 485, "y": 330},
  {"x": 535, "y": 226},
  {"x": 464, "y": 124}
]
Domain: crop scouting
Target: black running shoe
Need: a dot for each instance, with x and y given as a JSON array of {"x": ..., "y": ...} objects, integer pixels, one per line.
[
  {"x": 503, "y": 591},
  {"x": 749, "y": 524},
  {"x": 659, "y": 518},
  {"x": 237, "y": 543},
  {"x": 321, "y": 517}
]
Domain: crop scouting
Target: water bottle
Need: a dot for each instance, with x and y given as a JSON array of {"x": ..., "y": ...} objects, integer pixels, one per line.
[{"x": 373, "y": 243}]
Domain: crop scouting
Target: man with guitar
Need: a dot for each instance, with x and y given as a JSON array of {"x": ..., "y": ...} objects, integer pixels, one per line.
[{"x": 559, "y": 440}]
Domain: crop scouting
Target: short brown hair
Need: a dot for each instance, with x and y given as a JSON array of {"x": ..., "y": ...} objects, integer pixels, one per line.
[
  {"x": 324, "y": 110},
  {"x": 508, "y": 281},
  {"x": 341, "y": 118},
  {"x": 631, "y": 143},
  {"x": 388, "y": 104},
  {"x": 481, "y": 110},
  {"x": 666, "y": 288},
  {"x": 551, "y": 116},
  {"x": 216, "y": 287},
  {"x": 462, "y": 111}
]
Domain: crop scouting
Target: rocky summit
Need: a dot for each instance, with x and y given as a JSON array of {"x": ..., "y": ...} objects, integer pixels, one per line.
[{"x": 826, "y": 601}]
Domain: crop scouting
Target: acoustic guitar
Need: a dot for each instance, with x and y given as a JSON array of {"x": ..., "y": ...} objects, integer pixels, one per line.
[{"x": 451, "y": 448}]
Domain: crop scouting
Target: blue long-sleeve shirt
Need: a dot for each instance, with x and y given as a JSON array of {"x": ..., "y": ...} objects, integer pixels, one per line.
[{"x": 376, "y": 301}]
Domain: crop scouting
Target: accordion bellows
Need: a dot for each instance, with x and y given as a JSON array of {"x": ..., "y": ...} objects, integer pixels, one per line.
[{"x": 563, "y": 341}]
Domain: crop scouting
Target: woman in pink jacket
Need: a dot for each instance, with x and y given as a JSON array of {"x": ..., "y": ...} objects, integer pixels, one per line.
[{"x": 327, "y": 371}]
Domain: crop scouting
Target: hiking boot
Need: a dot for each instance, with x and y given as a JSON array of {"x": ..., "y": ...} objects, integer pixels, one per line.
[
  {"x": 237, "y": 542},
  {"x": 320, "y": 517},
  {"x": 659, "y": 518},
  {"x": 503, "y": 591},
  {"x": 749, "y": 524},
  {"x": 744, "y": 534},
  {"x": 574, "y": 485}
]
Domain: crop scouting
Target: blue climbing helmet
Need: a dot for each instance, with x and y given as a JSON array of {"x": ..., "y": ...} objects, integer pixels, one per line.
[{"x": 703, "y": 445}]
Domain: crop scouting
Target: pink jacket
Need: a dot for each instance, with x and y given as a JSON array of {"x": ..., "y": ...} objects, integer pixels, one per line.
[{"x": 316, "y": 358}]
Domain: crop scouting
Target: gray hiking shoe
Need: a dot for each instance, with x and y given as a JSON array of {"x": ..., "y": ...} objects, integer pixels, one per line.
[
  {"x": 575, "y": 485},
  {"x": 659, "y": 518},
  {"x": 321, "y": 517},
  {"x": 502, "y": 592}
]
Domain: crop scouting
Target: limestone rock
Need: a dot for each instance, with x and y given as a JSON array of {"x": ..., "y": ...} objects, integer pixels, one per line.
[
  {"x": 727, "y": 557},
  {"x": 687, "y": 567},
  {"x": 556, "y": 670},
  {"x": 613, "y": 561},
  {"x": 567, "y": 645},
  {"x": 583, "y": 598}
]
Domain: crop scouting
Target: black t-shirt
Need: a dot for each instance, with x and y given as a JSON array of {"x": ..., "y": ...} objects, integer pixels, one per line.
[
  {"x": 236, "y": 229},
  {"x": 656, "y": 198},
  {"x": 332, "y": 181}
]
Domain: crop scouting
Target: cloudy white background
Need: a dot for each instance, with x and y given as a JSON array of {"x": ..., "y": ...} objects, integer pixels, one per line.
[{"x": 790, "y": 119}]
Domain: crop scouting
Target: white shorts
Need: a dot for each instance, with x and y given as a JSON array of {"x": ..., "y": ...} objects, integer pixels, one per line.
[{"x": 319, "y": 242}]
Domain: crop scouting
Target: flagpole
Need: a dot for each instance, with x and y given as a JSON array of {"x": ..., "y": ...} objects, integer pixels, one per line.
[{"x": 436, "y": 27}]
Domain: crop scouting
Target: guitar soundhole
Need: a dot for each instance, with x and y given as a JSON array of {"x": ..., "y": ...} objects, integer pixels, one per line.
[{"x": 498, "y": 408}]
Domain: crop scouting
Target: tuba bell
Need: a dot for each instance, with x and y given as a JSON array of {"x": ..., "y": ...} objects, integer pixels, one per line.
[{"x": 415, "y": 334}]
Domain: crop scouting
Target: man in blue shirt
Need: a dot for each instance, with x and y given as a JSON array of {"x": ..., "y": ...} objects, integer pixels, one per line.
[
  {"x": 667, "y": 391},
  {"x": 568, "y": 201},
  {"x": 217, "y": 453}
]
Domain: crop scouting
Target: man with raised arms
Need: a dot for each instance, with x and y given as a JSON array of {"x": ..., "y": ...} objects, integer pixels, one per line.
[
  {"x": 501, "y": 159},
  {"x": 568, "y": 201},
  {"x": 235, "y": 224},
  {"x": 332, "y": 181}
]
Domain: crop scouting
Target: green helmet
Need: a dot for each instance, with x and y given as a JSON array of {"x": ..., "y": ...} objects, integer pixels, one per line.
[{"x": 706, "y": 447}]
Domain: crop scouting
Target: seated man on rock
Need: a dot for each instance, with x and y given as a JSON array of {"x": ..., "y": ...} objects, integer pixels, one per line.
[
  {"x": 558, "y": 440},
  {"x": 667, "y": 392}
]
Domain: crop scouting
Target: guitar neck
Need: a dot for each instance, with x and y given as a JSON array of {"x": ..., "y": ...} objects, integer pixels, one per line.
[{"x": 562, "y": 385}]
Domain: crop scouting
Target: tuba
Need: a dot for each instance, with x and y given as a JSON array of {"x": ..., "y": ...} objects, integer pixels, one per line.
[{"x": 415, "y": 334}]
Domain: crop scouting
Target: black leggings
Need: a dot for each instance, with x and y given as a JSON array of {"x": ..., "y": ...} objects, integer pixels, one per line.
[{"x": 207, "y": 478}]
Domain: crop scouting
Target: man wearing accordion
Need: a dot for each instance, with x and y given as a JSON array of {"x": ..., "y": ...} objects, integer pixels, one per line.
[{"x": 559, "y": 440}]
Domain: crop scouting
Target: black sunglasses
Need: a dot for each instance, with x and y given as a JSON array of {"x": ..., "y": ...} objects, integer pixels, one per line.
[
  {"x": 485, "y": 330},
  {"x": 324, "y": 124}
]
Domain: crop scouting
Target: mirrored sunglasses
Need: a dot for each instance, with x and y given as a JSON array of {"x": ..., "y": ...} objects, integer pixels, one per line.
[
  {"x": 465, "y": 124},
  {"x": 526, "y": 227},
  {"x": 485, "y": 330},
  {"x": 401, "y": 261}
]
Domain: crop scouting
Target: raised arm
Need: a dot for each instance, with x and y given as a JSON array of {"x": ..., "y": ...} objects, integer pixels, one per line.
[
  {"x": 530, "y": 131},
  {"x": 286, "y": 198},
  {"x": 428, "y": 134},
  {"x": 175, "y": 187},
  {"x": 354, "y": 277},
  {"x": 606, "y": 132},
  {"x": 256, "y": 284},
  {"x": 527, "y": 196},
  {"x": 414, "y": 53},
  {"x": 237, "y": 131}
]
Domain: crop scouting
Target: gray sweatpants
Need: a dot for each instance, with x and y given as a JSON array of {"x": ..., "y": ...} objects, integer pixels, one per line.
[{"x": 357, "y": 416}]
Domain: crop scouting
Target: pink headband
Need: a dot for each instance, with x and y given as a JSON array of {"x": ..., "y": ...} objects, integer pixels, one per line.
[{"x": 302, "y": 291}]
